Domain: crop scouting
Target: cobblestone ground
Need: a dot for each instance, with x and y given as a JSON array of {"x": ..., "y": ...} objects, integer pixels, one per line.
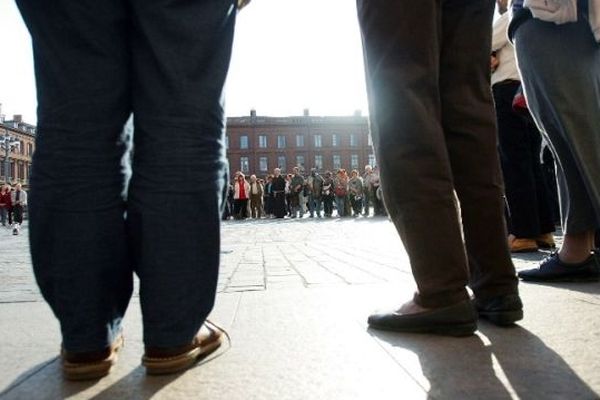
[{"x": 269, "y": 254}]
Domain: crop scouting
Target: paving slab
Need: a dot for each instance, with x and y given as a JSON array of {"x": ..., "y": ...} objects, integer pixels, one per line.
[{"x": 295, "y": 295}]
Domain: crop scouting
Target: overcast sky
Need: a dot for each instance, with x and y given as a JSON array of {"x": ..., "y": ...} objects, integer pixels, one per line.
[{"x": 288, "y": 55}]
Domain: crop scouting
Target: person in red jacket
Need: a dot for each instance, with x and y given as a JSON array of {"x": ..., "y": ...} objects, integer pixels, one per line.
[{"x": 5, "y": 205}]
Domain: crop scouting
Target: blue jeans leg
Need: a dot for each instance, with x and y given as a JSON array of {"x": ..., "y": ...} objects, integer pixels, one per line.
[
  {"x": 76, "y": 209},
  {"x": 180, "y": 55}
]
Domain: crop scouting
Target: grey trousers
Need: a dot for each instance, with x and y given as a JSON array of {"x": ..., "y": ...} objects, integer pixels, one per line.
[
  {"x": 564, "y": 99},
  {"x": 434, "y": 132}
]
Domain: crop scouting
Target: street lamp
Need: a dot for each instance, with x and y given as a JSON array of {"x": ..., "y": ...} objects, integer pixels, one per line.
[{"x": 8, "y": 143}]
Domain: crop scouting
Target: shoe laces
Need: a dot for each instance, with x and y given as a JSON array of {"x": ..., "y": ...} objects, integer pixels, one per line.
[{"x": 216, "y": 355}]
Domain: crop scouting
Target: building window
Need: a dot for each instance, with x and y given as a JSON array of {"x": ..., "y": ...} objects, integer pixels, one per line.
[
  {"x": 243, "y": 142},
  {"x": 299, "y": 140},
  {"x": 29, "y": 149},
  {"x": 21, "y": 147},
  {"x": 319, "y": 161},
  {"x": 227, "y": 141},
  {"x": 300, "y": 161},
  {"x": 263, "y": 164},
  {"x": 281, "y": 142},
  {"x": 318, "y": 141},
  {"x": 244, "y": 164},
  {"x": 353, "y": 141},
  {"x": 334, "y": 140},
  {"x": 262, "y": 141},
  {"x": 21, "y": 171},
  {"x": 281, "y": 163},
  {"x": 372, "y": 160},
  {"x": 354, "y": 161},
  {"x": 337, "y": 161}
]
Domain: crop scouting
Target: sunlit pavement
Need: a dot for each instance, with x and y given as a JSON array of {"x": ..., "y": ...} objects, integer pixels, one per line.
[{"x": 295, "y": 295}]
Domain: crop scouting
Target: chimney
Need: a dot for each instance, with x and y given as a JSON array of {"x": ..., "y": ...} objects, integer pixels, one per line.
[
  {"x": 253, "y": 113},
  {"x": 306, "y": 112},
  {"x": 18, "y": 118}
]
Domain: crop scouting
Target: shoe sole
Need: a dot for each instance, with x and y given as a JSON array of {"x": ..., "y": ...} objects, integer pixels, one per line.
[
  {"x": 502, "y": 318},
  {"x": 94, "y": 370},
  {"x": 525, "y": 250},
  {"x": 456, "y": 330},
  {"x": 562, "y": 279},
  {"x": 165, "y": 366},
  {"x": 546, "y": 246}
]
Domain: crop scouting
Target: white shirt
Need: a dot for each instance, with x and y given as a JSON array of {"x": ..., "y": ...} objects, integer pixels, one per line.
[{"x": 505, "y": 52}]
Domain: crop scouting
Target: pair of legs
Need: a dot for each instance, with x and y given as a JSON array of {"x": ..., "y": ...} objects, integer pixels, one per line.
[
  {"x": 256, "y": 205},
  {"x": 340, "y": 205},
  {"x": 520, "y": 142},
  {"x": 314, "y": 205},
  {"x": 433, "y": 128},
  {"x": 97, "y": 63},
  {"x": 564, "y": 100}
]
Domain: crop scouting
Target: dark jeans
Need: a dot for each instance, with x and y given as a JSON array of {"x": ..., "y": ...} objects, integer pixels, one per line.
[
  {"x": 328, "y": 205},
  {"x": 96, "y": 63},
  {"x": 560, "y": 65},
  {"x": 4, "y": 213},
  {"x": 520, "y": 146},
  {"x": 240, "y": 208},
  {"x": 18, "y": 213},
  {"x": 433, "y": 126}
]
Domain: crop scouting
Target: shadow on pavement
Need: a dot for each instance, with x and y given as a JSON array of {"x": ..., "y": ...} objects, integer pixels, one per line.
[
  {"x": 498, "y": 363},
  {"x": 582, "y": 287},
  {"x": 45, "y": 381}
]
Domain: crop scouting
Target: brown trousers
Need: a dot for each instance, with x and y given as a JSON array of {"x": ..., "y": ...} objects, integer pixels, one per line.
[
  {"x": 433, "y": 126},
  {"x": 256, "y": 205}
]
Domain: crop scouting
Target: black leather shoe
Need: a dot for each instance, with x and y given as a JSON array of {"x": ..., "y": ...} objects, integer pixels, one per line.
[
  {"x": 501, "y": 310},
  {"x": 551, "y": 269},
  {"x": 457, "y": 320}
]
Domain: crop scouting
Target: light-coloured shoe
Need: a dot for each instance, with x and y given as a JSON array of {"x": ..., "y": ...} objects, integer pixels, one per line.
[
  {"x": 161, "y": 361},
  {"x": 522, "y": 245},
  {"x": 545, "y": 241},
  {"x": 93, "y": 365}
]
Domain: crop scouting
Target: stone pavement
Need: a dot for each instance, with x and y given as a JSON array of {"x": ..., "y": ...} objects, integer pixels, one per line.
[{"x": 294, "y": 295}]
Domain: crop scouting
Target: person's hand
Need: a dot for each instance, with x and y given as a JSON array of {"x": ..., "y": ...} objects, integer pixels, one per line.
[
  {"x": 494, "y": 62},
  {"x": 242, "y": 3}
]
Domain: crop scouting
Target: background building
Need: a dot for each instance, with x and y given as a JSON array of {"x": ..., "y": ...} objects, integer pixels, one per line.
[
  {"x": 257, "y": 144},
  {"x": 17, "y": 143}
]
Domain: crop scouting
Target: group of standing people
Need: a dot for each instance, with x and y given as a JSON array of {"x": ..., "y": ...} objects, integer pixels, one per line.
[
  {"x": 13, "y": 201},
  {"x": 294, "y": 195}
]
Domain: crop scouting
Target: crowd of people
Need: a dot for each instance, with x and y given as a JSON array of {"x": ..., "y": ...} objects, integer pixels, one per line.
[
  {"x": 13, "y": 200},
  {"x": 298, "y": 194}
]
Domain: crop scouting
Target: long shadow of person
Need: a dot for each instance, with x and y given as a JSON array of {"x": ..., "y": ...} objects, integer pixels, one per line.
[
  {"x": 512, "y": 364},
  {"x": 533, "y": 369},
  {"x": 45, "y": 381}
]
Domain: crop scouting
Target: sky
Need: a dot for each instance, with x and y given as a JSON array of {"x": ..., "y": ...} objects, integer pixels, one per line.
[{"x": 288, "y": 55}]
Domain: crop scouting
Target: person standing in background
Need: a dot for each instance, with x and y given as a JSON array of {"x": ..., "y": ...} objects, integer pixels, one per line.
[
  {"x": 530, "y": 222},
  {"x": 18, "y": 199}
]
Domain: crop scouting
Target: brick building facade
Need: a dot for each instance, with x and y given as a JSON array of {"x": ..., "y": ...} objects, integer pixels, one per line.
[
  {"x": 19, "y": 157},
  {"x": 257, "y": 144}
]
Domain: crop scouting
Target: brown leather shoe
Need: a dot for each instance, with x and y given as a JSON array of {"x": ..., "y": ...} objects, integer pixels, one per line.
[
  {"x": 521, "y": 245},
  {"x": 545, "y": 241},
  {"x": 161, "y": 361},
  {"x": 90, "y": 365}
]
